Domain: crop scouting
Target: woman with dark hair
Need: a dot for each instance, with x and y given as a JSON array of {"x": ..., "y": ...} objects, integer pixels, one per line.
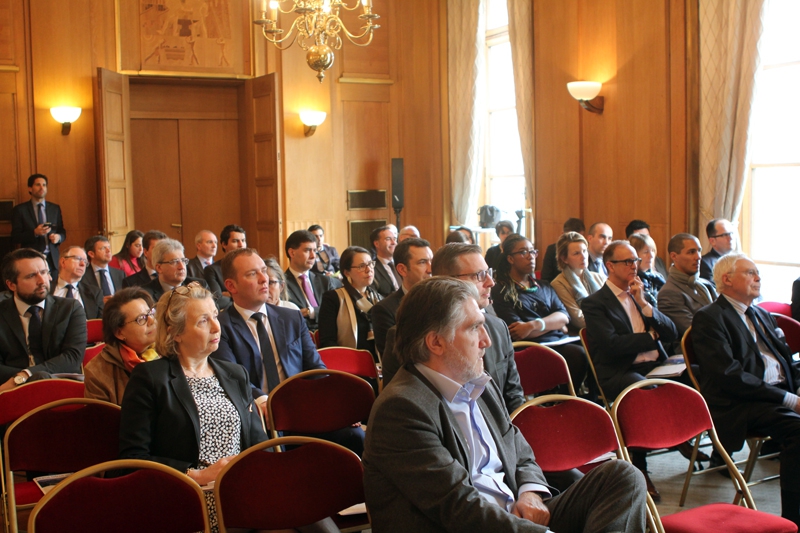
[
  {"x": 130, "y": 259},
  {"x": 129, "y": 331},
  {"x": 456, "y": 236},
  {"x": 467, "y": 233},
  {"x": 344, "y": 313}
]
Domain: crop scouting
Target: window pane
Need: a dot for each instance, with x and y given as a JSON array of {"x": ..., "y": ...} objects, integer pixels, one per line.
[
  {"x": 781, "y": 40},
  {"x": 774, "y": 204},
  {"x": 776, "y": 282},
  {"x": 508, "y": 193},
  {"x": 497, "y": 14},
  {"x": 505, "y": 156},
  {"x": 775, "y": 128},
  {"x": 501, "y": 77}
]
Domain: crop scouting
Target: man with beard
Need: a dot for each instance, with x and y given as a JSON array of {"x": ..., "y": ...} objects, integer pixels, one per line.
[{"x": 39, "y": 333}]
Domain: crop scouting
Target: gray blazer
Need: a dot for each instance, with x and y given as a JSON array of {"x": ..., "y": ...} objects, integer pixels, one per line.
[
  {"x": 680, "y": 302},
  {"x": 566, "y": 293}
]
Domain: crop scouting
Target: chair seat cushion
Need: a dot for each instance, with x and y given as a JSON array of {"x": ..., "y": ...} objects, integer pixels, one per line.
[
  {"x": 27, "y": 493},
  {"x": 725, "y": 517}
]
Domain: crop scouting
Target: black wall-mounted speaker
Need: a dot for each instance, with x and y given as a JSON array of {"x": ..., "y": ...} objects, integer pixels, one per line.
[{"x": 397, "y": 183}]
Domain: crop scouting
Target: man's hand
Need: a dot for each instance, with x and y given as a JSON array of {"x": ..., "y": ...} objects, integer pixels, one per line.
[
  {"x": 530, "y": 506},
  {"x": 305, "y": 311},
  {"x": 55, "y": 238},
  {"x": 41, "y": 230},
  {"x": 637, "y": 291}
]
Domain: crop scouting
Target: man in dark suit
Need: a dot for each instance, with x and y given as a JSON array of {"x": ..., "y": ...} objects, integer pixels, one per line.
[
  {"x": 413, "y": 259},
  {"x": 107, "y": 279},
  {"x": 38, "y": 332},
  {"x": 37, "y": 224},
  {"x": 170, "y": 263},
  {"x": 72, "y": 267},
  {"x": 304, "y": 287},
  {"x": 599, "y": 236},
  {"x": 327, "y": 255},
  {"x": 550, "y": 269},
  {"x": 148, "y": 273},
  {"x": 384, "y": 240},
  {"x": 232, "y": 237},
  {"x": 272, "y": 343},
  {"x": 746, "y": 372},
  {"x": 721, "y": 237},
  {"x": 206, "y": 243},
  {"x": 441, "y": 452}
]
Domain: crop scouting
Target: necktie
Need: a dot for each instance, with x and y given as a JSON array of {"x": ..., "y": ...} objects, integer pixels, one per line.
[
  {"x": 267, "y": 355},
  {"x": 41, "y": 214},
  {"x": 308, "y": 290},
  {"x": 395, "y": 281},
  {"x": 70, "y": 294},
  {"x": 154, "y": 275},
  {"x": 35, "y": 333},
  {"x": 760, "y": 332},
  {"x": 104, "y": 282}
]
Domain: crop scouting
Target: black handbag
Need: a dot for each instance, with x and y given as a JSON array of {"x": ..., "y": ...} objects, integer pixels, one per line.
[{"x": 489, "y": 216}]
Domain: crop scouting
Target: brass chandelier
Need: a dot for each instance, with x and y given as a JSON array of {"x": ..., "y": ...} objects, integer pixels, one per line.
[{"x": 317, "y": 28}]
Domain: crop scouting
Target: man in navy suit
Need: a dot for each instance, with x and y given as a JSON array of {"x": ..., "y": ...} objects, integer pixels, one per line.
[
  {"x": 327, "y": 255},
  {"x": 105, "y": 278},
  {"x": 271, "y": 343},
  {"x": 37, "y": 224}
]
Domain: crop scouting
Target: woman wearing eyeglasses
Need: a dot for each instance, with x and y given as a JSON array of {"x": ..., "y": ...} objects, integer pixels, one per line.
[
  {"x": 277, "y": 285},
  {"x": 129, "y": 331},
  {"x": 576, "y": 281},
  {"x": 344, "y": 313}
]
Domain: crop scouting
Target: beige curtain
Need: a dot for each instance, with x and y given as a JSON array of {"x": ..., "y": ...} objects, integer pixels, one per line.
[
  {"x": 467, "y": 96},
  {"x": 729, "y": 34},
  {"x": 520, "y": 33}
]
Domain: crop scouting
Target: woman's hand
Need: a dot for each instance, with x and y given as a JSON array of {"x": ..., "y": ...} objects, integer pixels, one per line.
[{"x": 207, "y": 475}]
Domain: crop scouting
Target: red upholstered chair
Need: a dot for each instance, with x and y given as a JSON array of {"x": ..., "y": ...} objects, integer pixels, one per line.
[
  {"x": 91, "y": 352},
  {"x": 791, "y": 328},
  {"x": 357, "y": 362},
  {"x": 152, "y": 498},
  {"x": 542, "y": 369},
  {"x": 319, "y": 401},
  {"x": 59, "y": 437},
  {"x": 315, "y": 337},
  {"x": 777, "y": 307},
  {"x": 585, "y": 342},
  {"x": 657, "y": 413},
  {"x": 94, "y": 331},
  {"x": 19, "y": 400},
  {"x": 315, "y": 480}
]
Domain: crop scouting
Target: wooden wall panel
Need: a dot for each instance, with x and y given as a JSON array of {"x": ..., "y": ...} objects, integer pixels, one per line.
[{"x": 7, "y": 30}]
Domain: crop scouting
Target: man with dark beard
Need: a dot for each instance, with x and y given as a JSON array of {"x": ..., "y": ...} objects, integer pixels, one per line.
[{"x": 39, "y": 333}]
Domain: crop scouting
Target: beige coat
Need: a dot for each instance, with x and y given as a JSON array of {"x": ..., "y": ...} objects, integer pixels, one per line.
[
  {"x": 106, "y": 377},
  {"x": 566, "y": 293}
]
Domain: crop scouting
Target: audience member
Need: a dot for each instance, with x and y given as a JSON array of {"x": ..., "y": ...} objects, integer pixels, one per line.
[
  {"x": 685, "y": 292},
  {"x": 206, "y": 244},
  {"x": 306, "y": 288},
  {"x": 796, "y": 299},
  {"x": 129, "y": 331},
  {"x": 170, "y": 263},
  {"x": 550, "y": 264},
  {"x": 640, "y": 227},
  {"x": 408, "y": 232},
  {"x": 575, "y": 282},
  {"x": 148, "y": 271},
  {"x": 721, "y": 238},
  {"x": 327, "y": 256},
  {"x": 72, "y": 267},
  {"x": 504, "y": 228},
  {"x": 531, "y": 308},
  {"x": 652, "y": 281},
  {"x": 746, "y": 372},
  {"x": 24, "y": 349},
  {"x": 37, "y": 224},
  {"x": 129, "y": 259},
  {"x": 384, "y": 240},
  {"x": 277, "y": 285},
  {"x": 599, "y": 236},
  {"x": 467, "y": 233},
  {"x": 232, "y": 237},
  {"x": 456, "y": 237},
  {"x": 441, "y": 452},
  {"x": 106, "y": 278},
  {"x": 412, "y": 258}
]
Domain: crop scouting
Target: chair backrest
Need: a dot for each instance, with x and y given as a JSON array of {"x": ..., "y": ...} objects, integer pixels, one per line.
[
  {"x": 776, "y": 307},
  {"x": 585, "y": 341},
  {"x": 319, "y": 401},
  {"x": 542, "y": 369},
  {"x": 791, "y": 328},
  {"x": 94, "y": 331},
  {"x": 315, "y": 337},
  {"x": 91, "y": 352},
  {"x": 689, "y": 357},
  {"x": 19, "y": 400},
  {"x": 258, "y": 490},
  {"x": 568, "y": 434},
  {"x": 153, "y": 498},
  {"x": 350, "y": 360}
]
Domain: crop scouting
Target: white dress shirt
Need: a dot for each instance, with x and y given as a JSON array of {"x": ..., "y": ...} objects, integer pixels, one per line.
[{"x": 637, "y": 324}]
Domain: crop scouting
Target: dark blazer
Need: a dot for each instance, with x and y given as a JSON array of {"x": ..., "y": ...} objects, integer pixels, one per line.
[
  {"x": 216, "y": 284},
  {"x": 63, "y": 338},
  {"x": 117, "y": 277},
  {"x": 732, "y": 370},
  {"x": 498, "y": 360},
  {"x": 195, "y": 268},
  {"x": 796, "y": 299},
  {"x": 157, "y": 291},
  {"x": 320, "y": 284},
  {"x": 160, "y": 422},
  {"x": 612, "y": 343},
  {"x": 382, "y": 283},
  {"x": 296, "y": 350},
  {"x": 333, "y": 260},
  {"x": 384, "y": 315},
  {"x": 416, "y": 462},
  {"x": 550, "y": 269},
  {"x": 24, "y": 220},
  {"x": 92, "y": 299},
  {"x": 139, "y": 279},
  {"x": 707, "y": 263},
  {"x": 493, "y": 256}
]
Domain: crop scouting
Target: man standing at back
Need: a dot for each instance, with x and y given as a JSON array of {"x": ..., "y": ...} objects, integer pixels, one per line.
[
  {"x": 599, "y": 237},
  {"x": 721, "y": 237},
  {"x": 37, "y": 224},
  {"x": 206, "y": 244},
  {"x": 305, "y": 288}
]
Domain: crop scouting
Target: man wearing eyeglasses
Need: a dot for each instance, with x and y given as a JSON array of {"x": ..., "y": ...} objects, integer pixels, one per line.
[
  {"x": 25, "y": 350},
  {"x": 108, "y": 279},
  {"x": 721, "y": 237},
  {"x": 387, "y": 280},
  {"x": 71, "y": 268},
  {"x": 746, "y": 373},
  {"x": 170, "y": 263}
]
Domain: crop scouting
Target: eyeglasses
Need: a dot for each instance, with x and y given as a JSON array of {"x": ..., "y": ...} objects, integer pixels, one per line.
[
  {"x": 275, "y": 282},
  {"x": 480, "y": 276},
  {"x": 628, "y": 262},
  {"x": 142, "y": 319},
  {"x": 79, "y": 259},
  {"x": 526, "y": 253},
  {"x": 183, "y": 290},
  {"x": 175, "y": 262},
  {"x": 721, "y": 235},
  {"x": 362, "y": 267}
]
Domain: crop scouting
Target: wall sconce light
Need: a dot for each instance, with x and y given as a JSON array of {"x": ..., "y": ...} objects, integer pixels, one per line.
[
  {"x": 312, "y": 119},
  {"x": 65, "y": 116},
  {"x": 586, "y": 93}
]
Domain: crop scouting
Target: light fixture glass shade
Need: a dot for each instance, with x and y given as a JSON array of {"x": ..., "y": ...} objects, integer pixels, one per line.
[
  {"x": 312, "y": 118},
  {"x": 584, "y": 90},
  {"x": 65, "y": 114}
]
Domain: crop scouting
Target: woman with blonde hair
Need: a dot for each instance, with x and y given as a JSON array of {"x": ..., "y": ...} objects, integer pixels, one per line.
[
  {"x": 652, "y": 281},
  {"x": 576, "y": 281}
]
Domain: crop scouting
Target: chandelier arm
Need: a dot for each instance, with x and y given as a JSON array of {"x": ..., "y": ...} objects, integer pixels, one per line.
[
  {"x": 356, "y": 5},
  {"x": 277, "y": 42},
  {"x": 368, "y": 29}
]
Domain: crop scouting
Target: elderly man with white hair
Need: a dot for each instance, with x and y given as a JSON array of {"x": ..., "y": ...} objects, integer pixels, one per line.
[
  {"x": 408, "y": 232},
  {"x": 170, "y": 263}
]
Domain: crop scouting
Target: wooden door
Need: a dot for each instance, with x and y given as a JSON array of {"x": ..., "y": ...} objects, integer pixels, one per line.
[{"x": 112, "y": 116}]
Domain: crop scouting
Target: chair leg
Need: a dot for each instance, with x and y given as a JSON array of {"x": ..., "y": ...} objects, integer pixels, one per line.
[{"x": 690, "y": 470}]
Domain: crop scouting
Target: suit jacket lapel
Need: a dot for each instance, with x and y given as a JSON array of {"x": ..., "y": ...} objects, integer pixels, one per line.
[
  {"x": 48, "y": 321},
  {"x": 294, "y": 287},
  {"x": 11, "y": 316},
  {"x": 615, "y": 307},
  {"x": 241, "y": 328},
  {"x": 278, "y": 328},
  {"x": 181, "y": 388}
]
